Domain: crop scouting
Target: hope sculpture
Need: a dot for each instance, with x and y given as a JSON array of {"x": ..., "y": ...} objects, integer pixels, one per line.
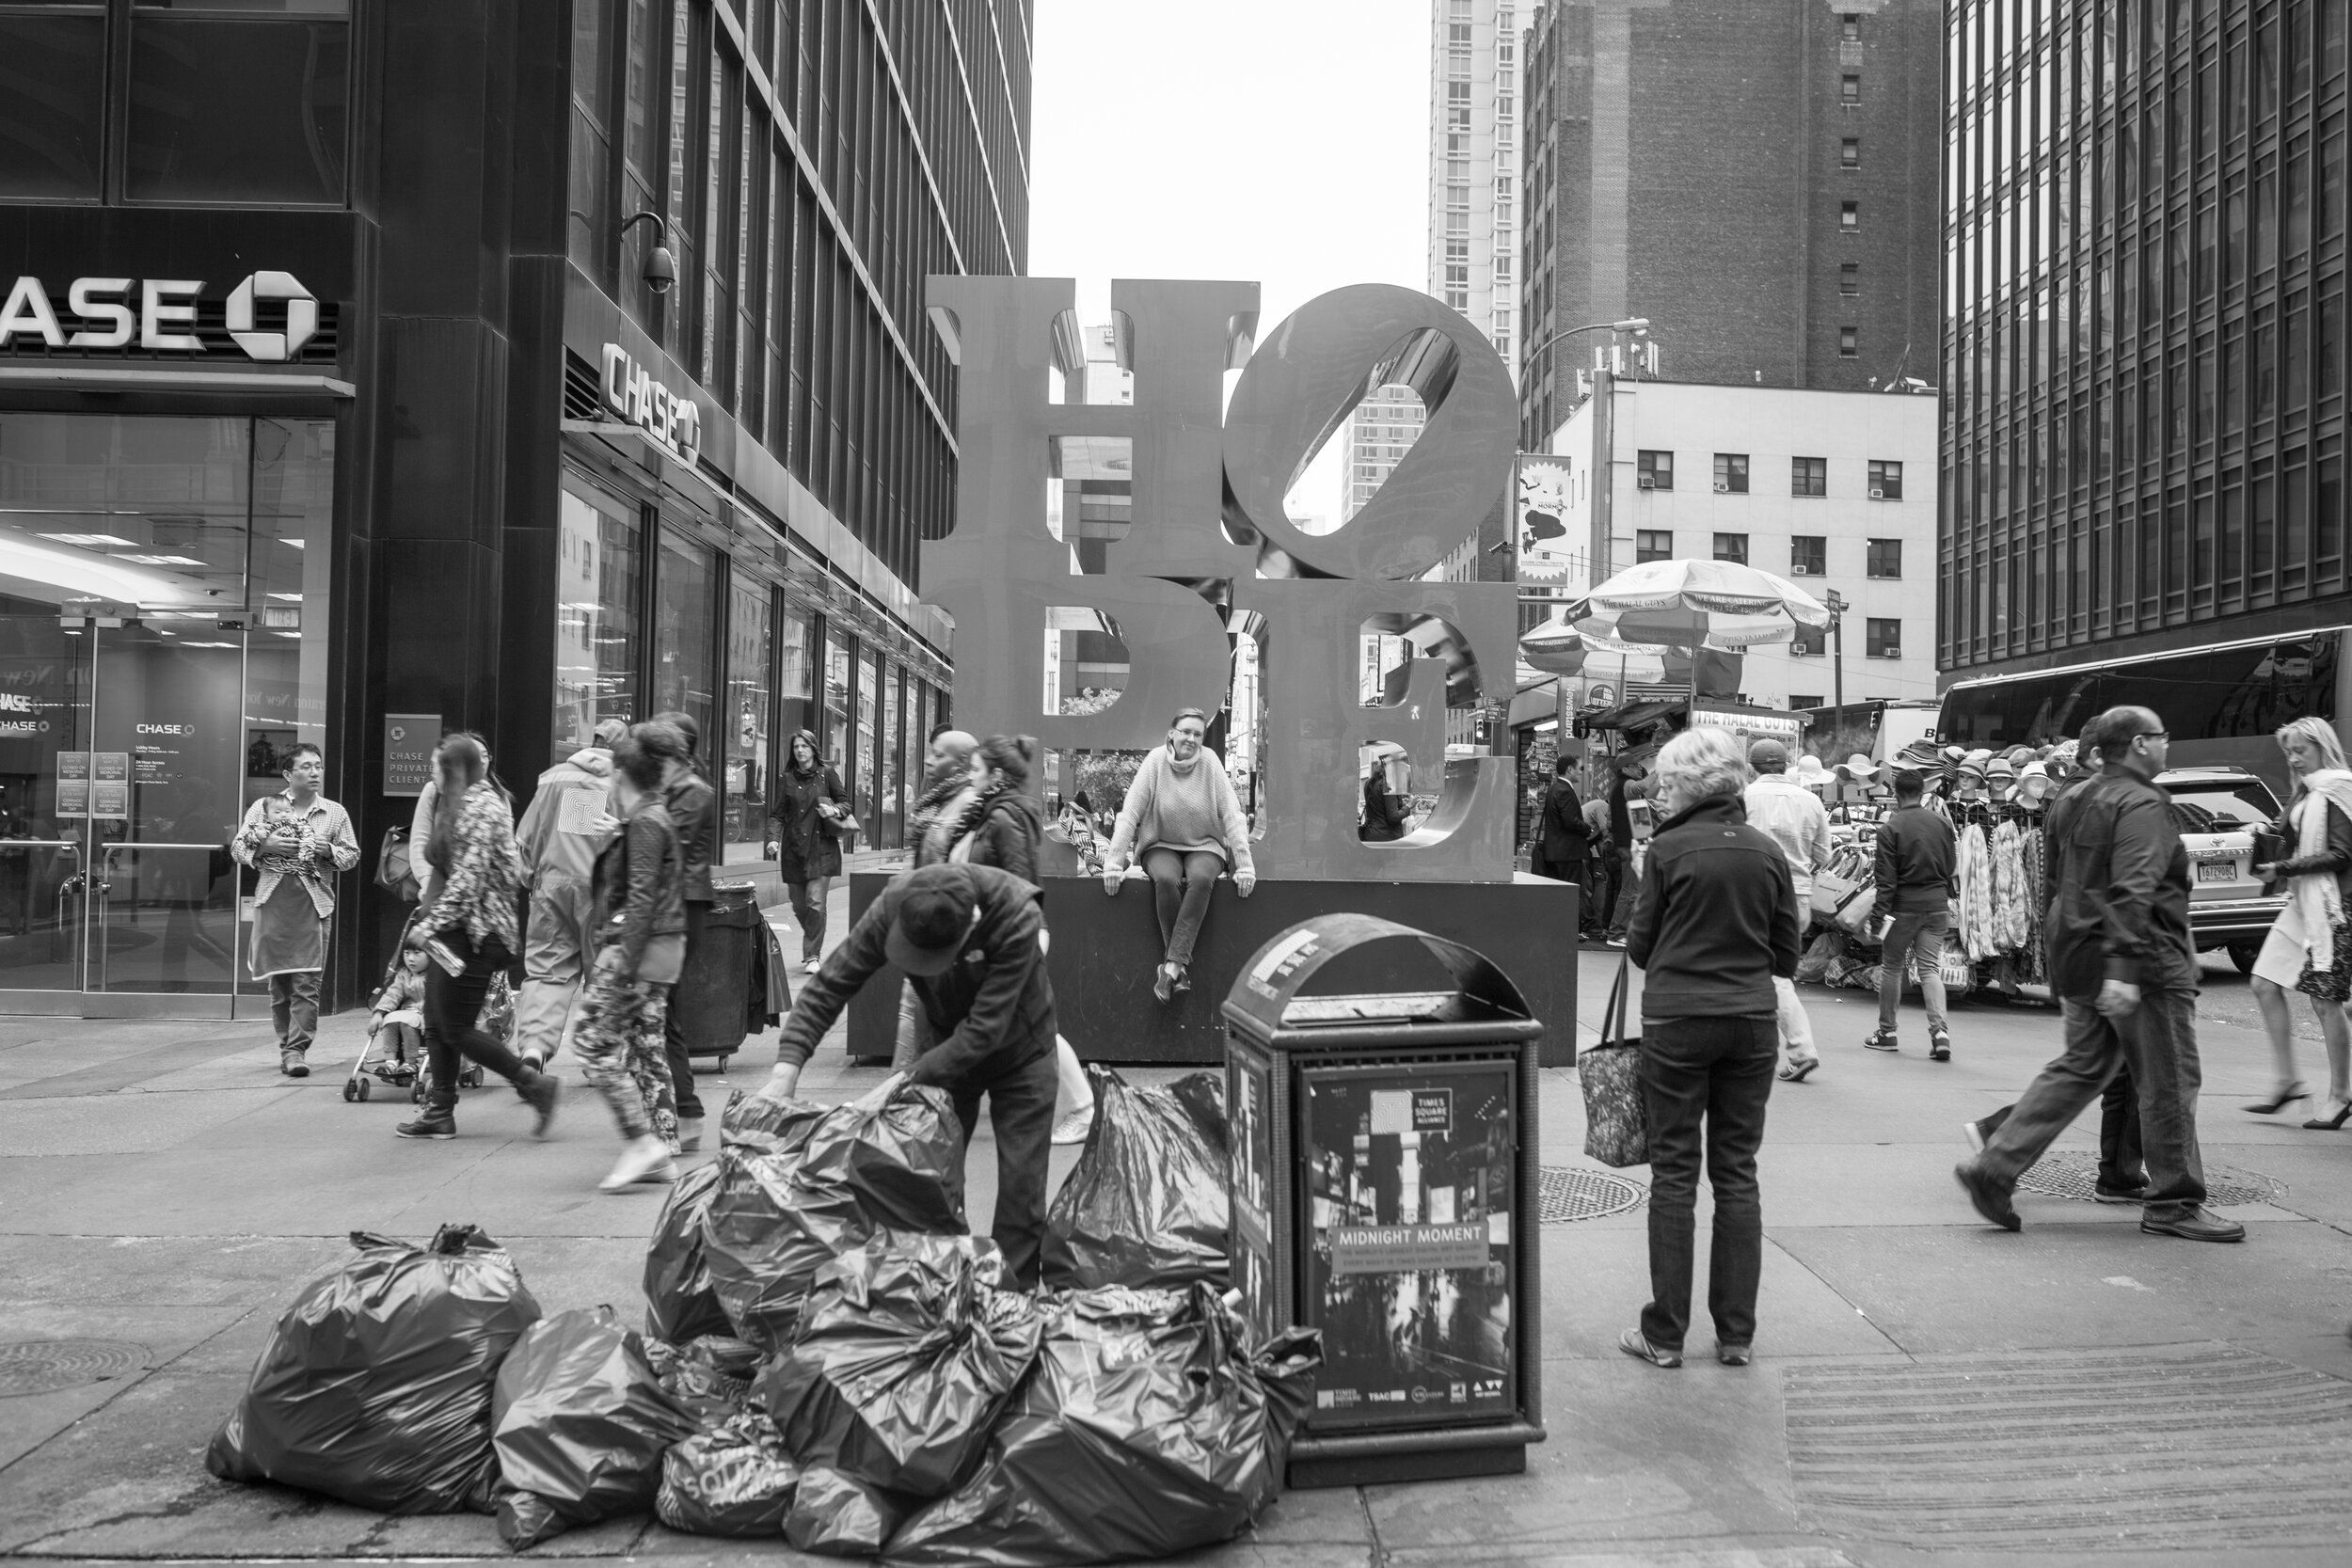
[{"x": 1211, "y": 550}]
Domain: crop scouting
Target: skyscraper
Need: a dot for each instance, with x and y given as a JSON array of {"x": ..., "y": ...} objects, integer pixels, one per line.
[
  {"x": 1378, "y": 434},
  {"x": 1474, "y": 163}
]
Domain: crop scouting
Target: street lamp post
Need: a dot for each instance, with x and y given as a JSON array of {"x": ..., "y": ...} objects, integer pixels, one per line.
[{"x": 1837, "y": 603}]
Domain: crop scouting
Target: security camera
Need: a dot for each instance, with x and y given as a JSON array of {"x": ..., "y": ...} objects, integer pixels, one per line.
[{"x": 661, "y": 271}]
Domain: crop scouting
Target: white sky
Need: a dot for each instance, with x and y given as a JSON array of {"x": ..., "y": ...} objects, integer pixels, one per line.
[{"x": 1280, "y": 141}]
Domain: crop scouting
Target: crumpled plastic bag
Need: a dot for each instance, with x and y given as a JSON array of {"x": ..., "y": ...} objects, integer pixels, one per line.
[
  {"x": 840, "y": 1515},
  {"x": 1813, "y": 968},
  {"x": 734, "y": 1478},
  {"x": 375, "y": 1385},
  {"x": 905, "y": 1356},
  {"x": 1144, "y": 1431},
  {"x": 680, "y": 1303},
  {"x": 765, "y": 1126},
  {"x": 711, "y": 1376},
  {"x": 776, "y": 1218},
  {"x": 1146, "y": 1205},
  {"x": 580, "y": 1424}
]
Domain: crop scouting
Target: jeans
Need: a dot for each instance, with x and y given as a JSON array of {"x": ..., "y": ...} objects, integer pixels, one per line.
[
  {"x": 1180, "y": 885},
  {"x": 623, "y": 1051},
  {"x": 1021, "y": 1112},
  {"x": 1922, "y": 934},
  {"x": 1718, "y": 1071},
  {"x": 2158, "y": 1046},
  {"x": 1794, "y": 1023},
  {"x": 1618, "y": 908},
  {"x": 294, "y": 1009},
  {"x": 809, "y": 907},
  {"x": 555, "y": 954},
  {"x": 452, "y": 1004},
  {"x": 2121, "y": 1165},
  {"x": 689, "y": 1105}
]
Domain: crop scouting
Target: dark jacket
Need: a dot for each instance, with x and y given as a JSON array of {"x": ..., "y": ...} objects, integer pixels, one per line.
[
  {"x": 1918, "y": 858},
  {"x": 1384, "y": 817},
  {"x": 806, "y": 846},
  {"x": 2336, "y": 858},
  {"x": 992, "y": 1011},
  {"x": 2116, "y": 886},
  {"x": 637, "y": 881},
  {"x": 1007, "y": 835},
  {"x": 1715, "y": 918},
  {"x": 1620, "y": 814},
  {"x": 693, "y": 812},
  {"x": 1562, "y": 822}
]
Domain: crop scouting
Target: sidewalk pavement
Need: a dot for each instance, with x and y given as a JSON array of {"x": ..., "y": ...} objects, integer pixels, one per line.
[{"x": 1926, "y": 1390}]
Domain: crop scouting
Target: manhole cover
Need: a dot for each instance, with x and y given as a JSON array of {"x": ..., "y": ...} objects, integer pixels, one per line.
[
  {"x": 1570, "y": 1193},
  {"x": 2071, "y": 1173},
  {"x": 45, "y": 1366}
]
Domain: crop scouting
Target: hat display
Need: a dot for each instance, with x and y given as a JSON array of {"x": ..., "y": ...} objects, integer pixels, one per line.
[
  {"x": 2001, "y": 769},
  {"x": 1920, "y": 753},
  {"x": 1859, "y": 766},
  {"x": 934, "y": 916},
  {"x": 1810, "y": 773}
]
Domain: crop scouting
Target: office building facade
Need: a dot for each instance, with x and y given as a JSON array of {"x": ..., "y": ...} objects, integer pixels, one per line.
[
  {"x": 2145, "y": 357},
  {"x": 1756, "y": 179},
  {"x": 1379, "y": 432},
  {"x": 337, "y": 404},
  {"x": 1473, "y": 164}
]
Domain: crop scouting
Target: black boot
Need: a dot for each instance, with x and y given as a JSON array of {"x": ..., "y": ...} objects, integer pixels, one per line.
[
  {"x": 539, "y": 1090},
  {"x": 439, "y": 1120}
]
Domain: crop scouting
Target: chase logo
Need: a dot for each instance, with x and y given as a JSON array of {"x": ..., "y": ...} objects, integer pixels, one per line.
[{"x": 302, "y": 316}]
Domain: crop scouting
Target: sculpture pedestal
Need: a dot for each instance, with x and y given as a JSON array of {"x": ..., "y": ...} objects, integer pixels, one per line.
[{"x": 1104, "y": 948}]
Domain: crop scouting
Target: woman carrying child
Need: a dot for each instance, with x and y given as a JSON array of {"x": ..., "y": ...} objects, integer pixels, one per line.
[{"x": 640, "y": 926}]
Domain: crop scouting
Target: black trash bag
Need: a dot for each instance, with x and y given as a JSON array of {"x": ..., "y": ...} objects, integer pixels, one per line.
[
  {"x": 1145, "y": 1431},
  {"x": 375, "y": 1385},
  {"x": 734, "y": 1478},
  {"x": 1146, "y": 1205},
  {"x": 710, "y": 1376},
  {"x": 775, "y": 1219},
  {"x": 680, "y": 1302},
  {"x": 906, "y": 1354},
  {"x": 839, "y": 1515},
  {"x": 767, "y": 1126},
  {"x": 580, "y": 1423}
]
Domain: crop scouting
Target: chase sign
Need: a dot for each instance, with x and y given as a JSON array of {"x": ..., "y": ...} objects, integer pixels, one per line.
[{"x": 159, "y": 313}]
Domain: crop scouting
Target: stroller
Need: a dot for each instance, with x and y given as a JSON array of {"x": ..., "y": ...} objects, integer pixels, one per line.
[{"x": 373, "y": 1065}]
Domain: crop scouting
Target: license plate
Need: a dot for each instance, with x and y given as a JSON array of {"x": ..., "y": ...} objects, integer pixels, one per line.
[{"x": 2219, "y": 871}]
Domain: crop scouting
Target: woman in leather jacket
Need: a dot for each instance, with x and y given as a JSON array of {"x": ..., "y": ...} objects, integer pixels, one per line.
[
  {"x": 641, "y": 933},
  {"x": 810, "y": 802}
]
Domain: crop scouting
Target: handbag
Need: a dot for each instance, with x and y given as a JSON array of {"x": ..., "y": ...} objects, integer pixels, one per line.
[
  {"x": 1617, "y": 1119},
  {"x": 1856, "y": 911},
  {"x": 395, "y": 868}
]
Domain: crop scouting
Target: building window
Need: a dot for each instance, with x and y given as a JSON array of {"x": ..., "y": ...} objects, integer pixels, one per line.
[
  {"x": 1850, "y": 216},
  {"x": 1732, "y": 547},
  {"x": 1808, "y": 555},
  {"x": 238, "y": 108},
  {"x": 1887, "y": 480},
  {"x": 1458, "y": 250},
  {"x": 1850, "y": 152},
  {"x": 1808, "y": 700},
  {"x": 1502, "y": 269},
  {"x": 1883, "y": 639},
  {"x": 1503, "y": 107},
  {"x": 54, "y": 134},
  {"x": 1883, "y": 558},
  {"x": 1849, "y": 277},
  {"x": 1458, "y": 276},
  {"x": 1810, "y": 642},
  {"x": 1849, "y": 343},
  {"x": 1653, "y": 544},
  {"x": 1731, "y": 473},
  {"x": 1808, "y": 476},
  {"x": 1850, "y": 27},
  {"x": 1655, "y": 470},
  {"x": 1850, "y": 88}
]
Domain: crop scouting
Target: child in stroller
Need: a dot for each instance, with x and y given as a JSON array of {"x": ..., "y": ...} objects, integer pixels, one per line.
[{"x": 396, "y": 1033}]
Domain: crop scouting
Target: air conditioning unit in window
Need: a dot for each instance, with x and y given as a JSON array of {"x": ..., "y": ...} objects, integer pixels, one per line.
[
  {"x": 1722, "y": 488},
  {"x": 1891, "y": 653},
  {"x": 1647, "y": 482},
  {"x": 1877, "y": 493},
  {"x": 1798, "y": 569}
]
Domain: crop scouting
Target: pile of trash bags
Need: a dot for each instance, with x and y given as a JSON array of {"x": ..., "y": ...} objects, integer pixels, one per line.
[{"x": 828, "y": 1357}]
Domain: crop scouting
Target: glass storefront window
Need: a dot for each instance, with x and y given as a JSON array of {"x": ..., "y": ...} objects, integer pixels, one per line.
[
  {"x": 796, "y": 691},
  {"x": 599, "y": 568},
  {"x": 892, "y": 738},
  {"x": 53, "y": 94},
  {"x": 293, "y": 562},
  {"x": 684, "y": 680},
  {"x": 750, "y": 713},
  {"x": 867, "y": 746},
  {"x": 839, "y": 735},
  {"x": 239, "y": 108}
]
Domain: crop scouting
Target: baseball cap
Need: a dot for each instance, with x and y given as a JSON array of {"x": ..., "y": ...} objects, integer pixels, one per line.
[
  {"x": 1768, "y": 753},
  {"x": 934, "y": 915}
]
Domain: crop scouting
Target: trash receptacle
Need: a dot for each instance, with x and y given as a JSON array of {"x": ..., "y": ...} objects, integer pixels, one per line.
[
  {"x": 711, "y": 1000},
  {"x": 1384, "y": 1191}
]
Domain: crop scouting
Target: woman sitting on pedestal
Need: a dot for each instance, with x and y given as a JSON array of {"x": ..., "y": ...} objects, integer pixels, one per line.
[{"x": 1184, "y": 822}]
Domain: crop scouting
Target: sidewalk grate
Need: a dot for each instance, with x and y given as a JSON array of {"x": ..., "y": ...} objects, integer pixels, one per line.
[
  {"x": 1572, "y": 1193},
  {"x": 2072, "y": 1173},
  {"x": 47, "y": 1365}
]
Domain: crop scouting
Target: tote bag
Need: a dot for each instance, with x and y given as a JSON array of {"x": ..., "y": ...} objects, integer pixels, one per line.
[{"x": 1616, "y": 1122}]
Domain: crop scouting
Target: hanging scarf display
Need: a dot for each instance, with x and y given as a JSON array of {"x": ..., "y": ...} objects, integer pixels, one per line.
[
  {"x": 2035, "y": 852},
  {"x": 2009, "y": 887},
  {"x": 1976, "y": 895}
]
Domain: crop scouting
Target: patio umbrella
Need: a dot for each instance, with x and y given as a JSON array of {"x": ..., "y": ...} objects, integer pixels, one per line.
[
  {"x": 1691, "y": 604},
  {"x": 1558, "y": 648}
]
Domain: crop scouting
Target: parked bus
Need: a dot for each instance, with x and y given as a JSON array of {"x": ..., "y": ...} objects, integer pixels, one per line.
[{"x": 2221, "y": 703}]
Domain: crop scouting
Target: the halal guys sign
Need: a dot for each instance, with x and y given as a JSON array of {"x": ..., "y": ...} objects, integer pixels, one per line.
[{"x": 157, "y": 313}]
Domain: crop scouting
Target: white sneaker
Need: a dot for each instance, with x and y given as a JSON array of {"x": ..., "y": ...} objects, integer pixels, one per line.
[
  {"x": 1074, "y": 1128},
  {"x": 812, "y": 966},
  {"x": 645, "y": 1159}
]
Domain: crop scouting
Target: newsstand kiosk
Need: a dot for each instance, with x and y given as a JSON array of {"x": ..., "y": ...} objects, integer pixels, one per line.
[{"x": 1384, "y": 1186}]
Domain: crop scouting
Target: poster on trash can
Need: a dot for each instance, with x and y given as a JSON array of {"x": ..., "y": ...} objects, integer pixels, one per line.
[
  {"x": 1248, "y": 1108},
  {"x": 1411, "y": 1267}
]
